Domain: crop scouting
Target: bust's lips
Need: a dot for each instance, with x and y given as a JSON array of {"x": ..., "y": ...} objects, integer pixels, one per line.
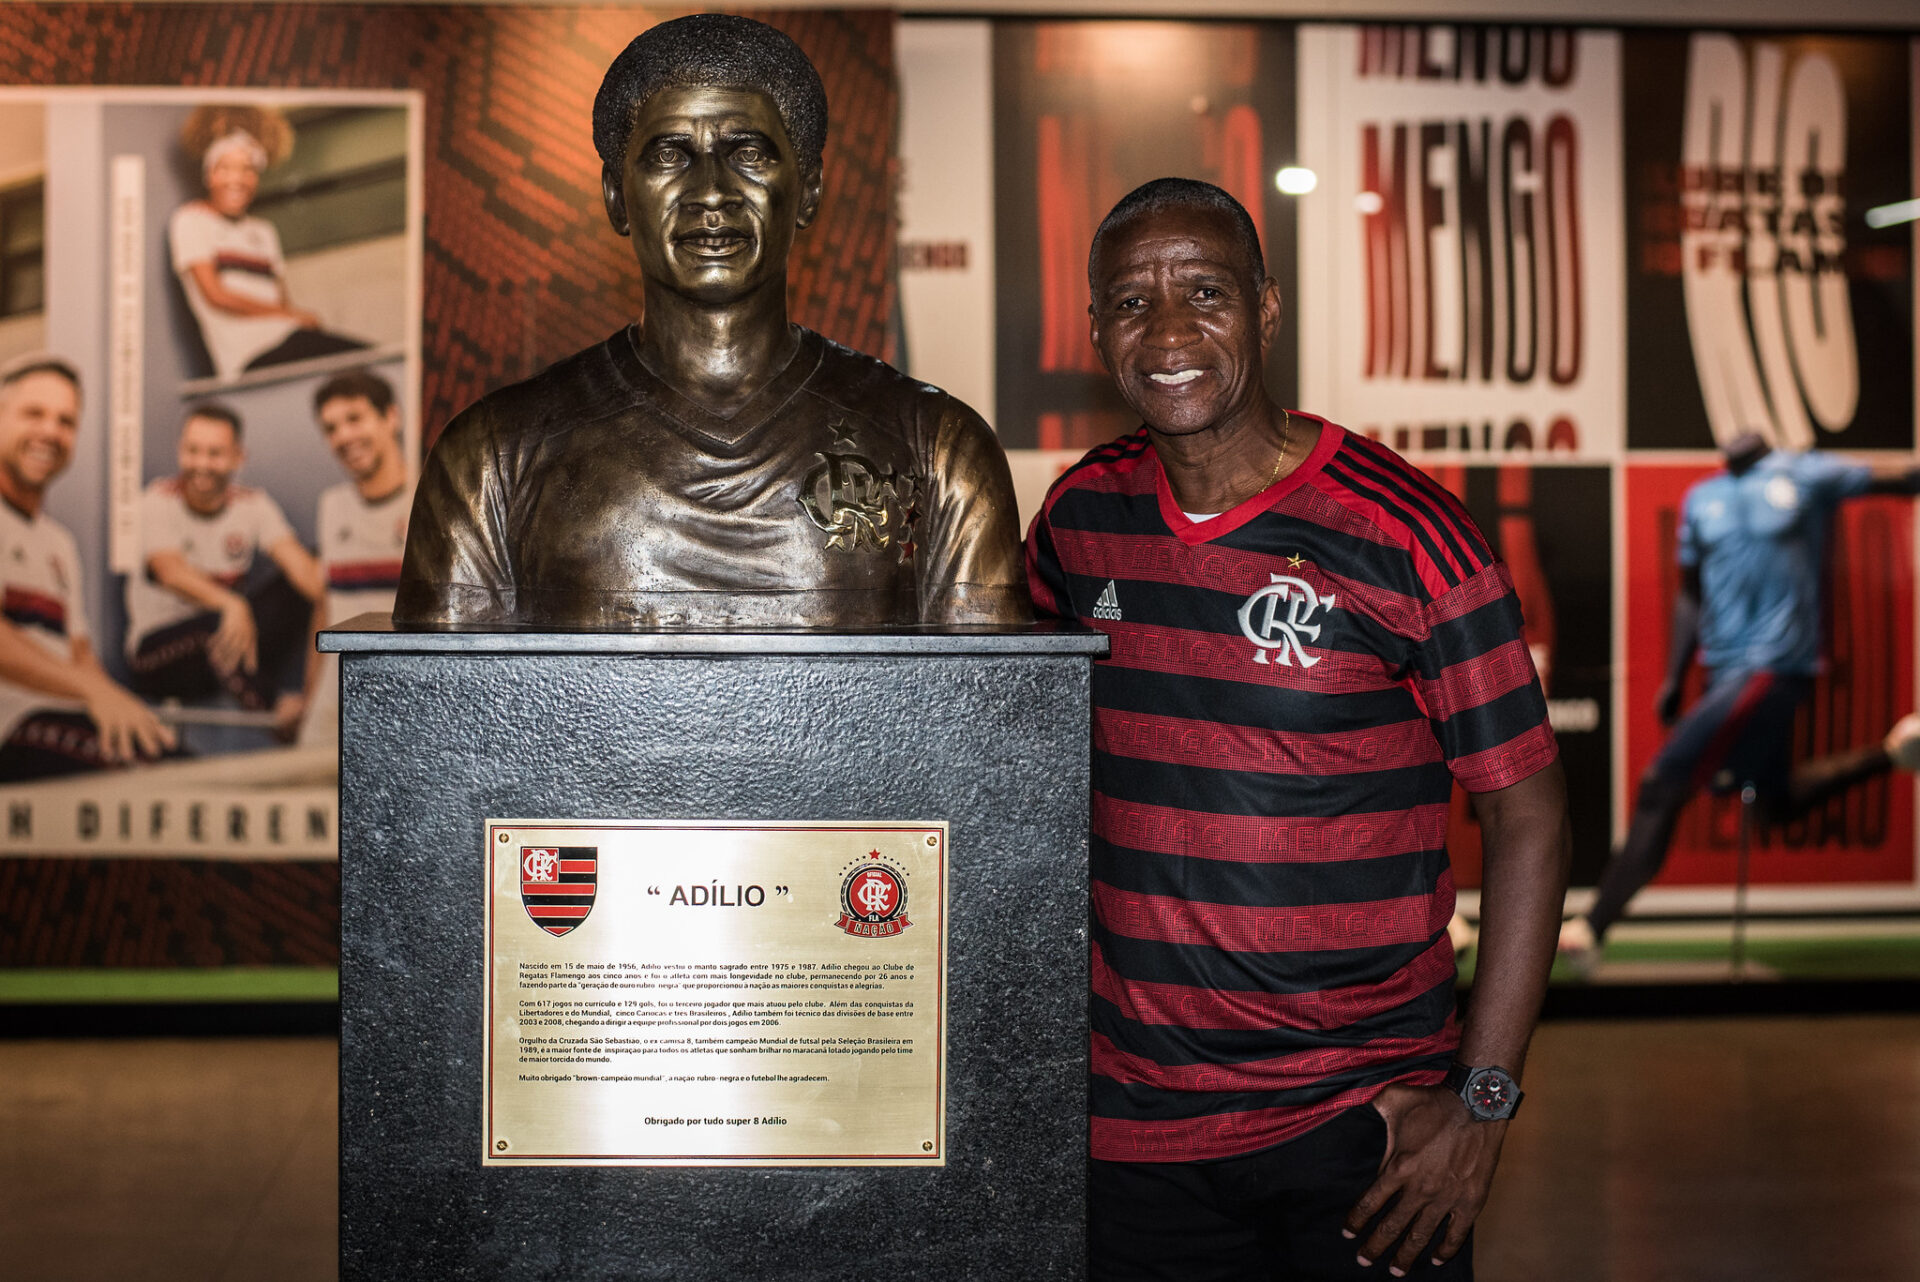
[{"x": 713, "y": 242}]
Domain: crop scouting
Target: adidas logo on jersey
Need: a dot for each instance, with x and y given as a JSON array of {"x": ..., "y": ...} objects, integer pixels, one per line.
[{"x": 1108, "y": 606}]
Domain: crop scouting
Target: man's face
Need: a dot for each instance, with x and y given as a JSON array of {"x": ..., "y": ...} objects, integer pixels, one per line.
[
  {"x": 231, "y": 182},
  {"x": 363, "y": 438},
  {"x": 209, "y": 456},
  {"x": 1179, "y": 322},
  {"x": 711, "y": 191},
  {"x": 39, "y": 418}
]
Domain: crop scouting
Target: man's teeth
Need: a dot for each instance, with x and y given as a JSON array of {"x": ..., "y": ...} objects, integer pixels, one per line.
[{"x": 1174, "y": 380}]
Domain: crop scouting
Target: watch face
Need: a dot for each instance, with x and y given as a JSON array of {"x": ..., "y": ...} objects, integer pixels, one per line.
[{"x": 1490, "y": 1093}]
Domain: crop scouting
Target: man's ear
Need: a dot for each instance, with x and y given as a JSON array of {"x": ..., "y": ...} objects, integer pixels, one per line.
[
  {"x": 1093, "y": 336},
  {"x": 615, "y": 197},
  {"x": 810, "y": 190},
  {"x": 1270, "y": 313}
]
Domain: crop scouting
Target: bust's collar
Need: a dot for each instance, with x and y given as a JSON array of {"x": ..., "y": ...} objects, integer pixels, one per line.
[{"x": 689, "y": 415}]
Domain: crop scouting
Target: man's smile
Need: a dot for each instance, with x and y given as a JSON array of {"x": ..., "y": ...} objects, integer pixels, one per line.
[{"x": 1176, "y": 378}]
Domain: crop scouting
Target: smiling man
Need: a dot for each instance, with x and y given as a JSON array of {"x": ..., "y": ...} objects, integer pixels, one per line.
[
  {"x": 1311, "y": 641},
  {"x": 60, "y": 713},
  {"x": 228, "y": 590},
  {"x": 360, "y": 524},
  {"x": 713, "y": 465}
]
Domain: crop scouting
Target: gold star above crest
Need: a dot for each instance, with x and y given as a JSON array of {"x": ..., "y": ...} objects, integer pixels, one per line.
[{"x": 1293, "y": 562}]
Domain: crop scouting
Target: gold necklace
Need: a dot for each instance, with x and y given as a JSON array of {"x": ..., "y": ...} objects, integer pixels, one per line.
[{"x": 1286, "y": 443}]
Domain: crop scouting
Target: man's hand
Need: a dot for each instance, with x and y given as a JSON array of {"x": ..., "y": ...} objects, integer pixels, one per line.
[
  {"x": 234, "y": 646},
  {"x": 1666, "y": 705},
  {"x": 1440, "y": 1162},
  {"x": 128, "y": 729}
]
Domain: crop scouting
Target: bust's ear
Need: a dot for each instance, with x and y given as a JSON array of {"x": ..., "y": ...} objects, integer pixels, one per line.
[
  {"x": 616, "y": 199},
  {"x": 810, "y": 187}
]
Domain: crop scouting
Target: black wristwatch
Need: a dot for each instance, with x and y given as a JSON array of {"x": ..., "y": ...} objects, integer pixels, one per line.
[{"x": 1490, "y": 1093}]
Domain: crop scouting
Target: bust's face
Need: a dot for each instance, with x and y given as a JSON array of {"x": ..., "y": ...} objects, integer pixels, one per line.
[{"x": 711, "y": 191}]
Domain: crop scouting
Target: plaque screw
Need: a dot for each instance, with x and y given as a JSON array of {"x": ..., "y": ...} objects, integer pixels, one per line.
[
  {"x": 933, "y": 839},
  {"x": 501, "y": 1146},
  {"x": 925, "y": 1145},
  {"x": 503, "y": 838}
]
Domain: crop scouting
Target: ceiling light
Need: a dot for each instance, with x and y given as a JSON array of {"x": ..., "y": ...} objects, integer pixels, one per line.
[{"x": 1295, "y": 181}]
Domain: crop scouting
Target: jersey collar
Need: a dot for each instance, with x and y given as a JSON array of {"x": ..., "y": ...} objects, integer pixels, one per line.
[{"x": 1192, "y": 532}]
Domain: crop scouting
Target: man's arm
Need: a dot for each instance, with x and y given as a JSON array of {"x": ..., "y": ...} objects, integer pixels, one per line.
[
  {"x": 127, "y": 727},
  {"x": 1894, "y": 478},
  {"x": 1439, "y": 1161},
  {"x": 234, "y": 645},
  {"x": 1686, "y": 639},
  {"x": 207, "y": 277},
  {"x": 300, "y": 566}
]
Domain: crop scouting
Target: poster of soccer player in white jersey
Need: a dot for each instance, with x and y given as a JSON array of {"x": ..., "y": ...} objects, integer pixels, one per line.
[
  {"x": 1460, "y": 247},
  {"x": 206, "y": 261}
]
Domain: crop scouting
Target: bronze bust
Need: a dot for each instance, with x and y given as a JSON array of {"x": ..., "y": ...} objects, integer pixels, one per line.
[{"x": 713, "y": 466}]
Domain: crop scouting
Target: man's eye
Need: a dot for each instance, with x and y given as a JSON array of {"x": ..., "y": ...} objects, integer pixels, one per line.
[
  {"x": 1208, "y": 294},
  {"x": 1133, "y": 304}
]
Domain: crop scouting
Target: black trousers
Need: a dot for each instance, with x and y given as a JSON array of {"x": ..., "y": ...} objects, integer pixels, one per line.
[
  {"x": 47, "y": 745},
  {"x": 305, "y": 344},
  {"x": 1272, "y": 1216},
  {"x": 172, "y": 662}
]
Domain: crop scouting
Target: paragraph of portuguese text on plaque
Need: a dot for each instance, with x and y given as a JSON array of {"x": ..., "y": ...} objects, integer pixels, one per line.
[{"x": 715, "y": 994}]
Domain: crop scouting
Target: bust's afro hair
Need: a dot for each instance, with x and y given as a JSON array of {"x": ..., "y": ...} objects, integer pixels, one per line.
[{"x": 712, "y": 49}]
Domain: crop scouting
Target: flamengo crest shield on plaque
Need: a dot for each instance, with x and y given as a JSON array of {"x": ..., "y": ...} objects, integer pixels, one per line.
[{"x": 557, "y": 885}]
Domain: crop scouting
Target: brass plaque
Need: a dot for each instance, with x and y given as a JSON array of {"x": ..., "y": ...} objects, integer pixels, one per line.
[{"x": 715, "y": 993}]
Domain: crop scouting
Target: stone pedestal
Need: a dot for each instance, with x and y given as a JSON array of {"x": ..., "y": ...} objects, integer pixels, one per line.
[{"x": 440, "y": 731}]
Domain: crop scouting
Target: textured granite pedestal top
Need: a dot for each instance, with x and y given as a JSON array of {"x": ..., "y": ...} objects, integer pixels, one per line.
[{"x": 375, "y": 634}]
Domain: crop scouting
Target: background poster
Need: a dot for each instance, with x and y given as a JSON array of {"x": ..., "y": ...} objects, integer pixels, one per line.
[
  {"x": 1760, "y": 299},
  {"x": 1084, "y": 112},
  {"x": 1460, "y": 258},
  {"x": 1553, "y": 526},
  {"x": 1866, "y": 834},
  {"x": 226, "y": 856}
]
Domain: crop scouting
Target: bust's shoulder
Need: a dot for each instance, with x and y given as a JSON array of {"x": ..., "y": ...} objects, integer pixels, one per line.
[
  {"x": 573, "y": 390},
  {"x": 868, "y": 385}
]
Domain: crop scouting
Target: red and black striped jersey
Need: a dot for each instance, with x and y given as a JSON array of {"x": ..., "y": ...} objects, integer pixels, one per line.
[{"x": 1294, "y": 686}]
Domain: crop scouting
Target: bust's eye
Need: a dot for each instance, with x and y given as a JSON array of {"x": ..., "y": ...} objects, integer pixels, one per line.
[
  {"x": 663, "y": 156},
  {"x": 750, "y": 154}
]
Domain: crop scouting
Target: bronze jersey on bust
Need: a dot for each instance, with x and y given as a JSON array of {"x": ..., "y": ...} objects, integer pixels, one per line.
[{"x": 594, "y": 496}]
